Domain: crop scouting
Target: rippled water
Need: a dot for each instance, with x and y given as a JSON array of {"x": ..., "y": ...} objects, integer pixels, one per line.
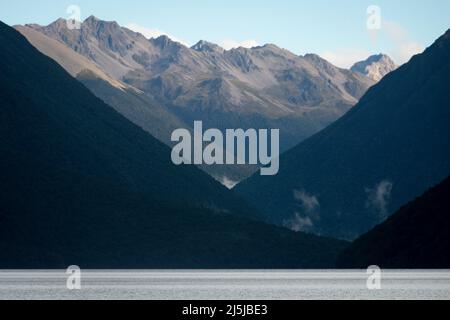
[{"x": 206, "y": 285}]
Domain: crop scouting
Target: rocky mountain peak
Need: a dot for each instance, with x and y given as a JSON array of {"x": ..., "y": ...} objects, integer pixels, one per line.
[
  {"x": 91, "y": 19},
  {"x": 56, "y": 26},
  {"x": 94, "y": 24},
  {"x": 375, "y": 67},
  {"x": 271, "y": 46},
  {"x": 205, "y": 46},
  {"x": 316, "y": 59},
  {"x": 164, "y": 42}
]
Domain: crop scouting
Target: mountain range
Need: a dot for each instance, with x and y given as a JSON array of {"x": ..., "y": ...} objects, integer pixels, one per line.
[
  {"x": 86, "y": 116},
  {"x": 81, "y": 184},
  {"x": 262, "y": 87},
  {"x": 388, "y": 149}
]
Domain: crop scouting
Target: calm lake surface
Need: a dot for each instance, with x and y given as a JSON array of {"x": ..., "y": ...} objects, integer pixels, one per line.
[{"x": 225, "y": 284}]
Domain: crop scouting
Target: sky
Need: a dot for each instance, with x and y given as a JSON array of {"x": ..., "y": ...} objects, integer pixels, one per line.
[{"x": 342, "y": 32}]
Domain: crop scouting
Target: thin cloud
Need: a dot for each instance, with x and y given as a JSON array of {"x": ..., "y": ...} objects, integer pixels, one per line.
[
  {"x": 378, "y": 198},
  {"x": 153, "y": 33},
  {"x": 308, "y": 202},
  {"x": 404, "y": 46},
  {"x": 298, "y": 223},
  {"x": 228, "y": 44},
  {"x": 345, "y": 57},
  {"x": 303, "y": 220}
]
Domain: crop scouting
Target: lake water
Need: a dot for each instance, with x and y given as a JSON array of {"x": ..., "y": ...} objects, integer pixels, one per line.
[{"x": 233, "y": 285}]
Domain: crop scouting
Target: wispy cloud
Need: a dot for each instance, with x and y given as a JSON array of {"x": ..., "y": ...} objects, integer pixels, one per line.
[
  {"x": 345, "y": 57},
  {"x": 298, "y": 223},
  {"x": 403, "y": 46},
  {"x": 378, "y": 198},
  {"x": 228, "y": 44},
  {"x": 153, "y": 33},
  {"x": 308, "y": 213},
  {"x": 307, "y": 201}
]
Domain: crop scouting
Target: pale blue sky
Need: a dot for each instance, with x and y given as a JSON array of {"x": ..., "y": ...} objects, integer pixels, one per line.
[{"x": 334, "y": 29}]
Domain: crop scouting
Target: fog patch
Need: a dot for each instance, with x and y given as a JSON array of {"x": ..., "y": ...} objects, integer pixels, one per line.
[
  {"x": 307, "y": 214},
  {"x": 298, "y": 223},
  {"x": 378, "y": 198},
  {"x": 308, "y": 202}
]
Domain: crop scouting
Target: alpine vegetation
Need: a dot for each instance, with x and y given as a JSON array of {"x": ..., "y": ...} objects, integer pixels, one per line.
[{"x": 237, "y": 147}]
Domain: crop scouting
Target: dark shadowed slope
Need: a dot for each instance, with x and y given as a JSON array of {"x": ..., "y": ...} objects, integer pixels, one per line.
[
  {"x": 390, "y": 148},
  {"x": 415, "y": 237},
  {"x": 82, "y": 185}
]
